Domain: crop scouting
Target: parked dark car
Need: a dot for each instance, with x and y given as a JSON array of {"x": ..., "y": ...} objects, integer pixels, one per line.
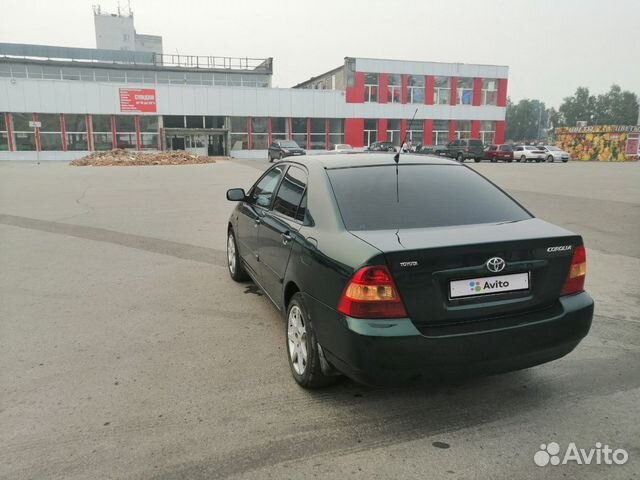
[
  {"x": 438, "y": 150},
  {"x": 462, "y": 150},
  {"x": 381, "y": 147},
  {"x": 433, "y": 273},
  {"x": 498, "y": 152},
  {"x": 280, "y": 149}
]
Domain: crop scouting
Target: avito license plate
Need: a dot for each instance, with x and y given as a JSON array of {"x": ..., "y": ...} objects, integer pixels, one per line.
[{"x": 485, "y": 285}]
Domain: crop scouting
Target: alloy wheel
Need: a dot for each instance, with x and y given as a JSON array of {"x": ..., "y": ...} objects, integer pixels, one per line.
[
  {"x": 231, "y": 254},
  {"x": 297, "y": 336}
]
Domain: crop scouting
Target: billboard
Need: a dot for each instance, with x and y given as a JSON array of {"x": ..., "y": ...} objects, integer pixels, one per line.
[
  {"x": 605, "y": 143},
  {"x": 138, "y": 100}
]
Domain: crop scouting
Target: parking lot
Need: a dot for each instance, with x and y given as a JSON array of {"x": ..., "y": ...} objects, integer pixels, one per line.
[{"x": 126, "y": 350}]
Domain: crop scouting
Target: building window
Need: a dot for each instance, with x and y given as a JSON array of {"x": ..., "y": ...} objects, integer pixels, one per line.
[
  {"x": 299, "y": 129},
  {"x": 259, "y": 133},
  {"x": 487, "y": 131},
  {"x": 440, "y": 133},
  {"x": 76, "y": 130},
  {"x": 318, "y": 134},
  {"x": 4, "y": 133},
  {"x": 415, "y": 133},
  {"x": 370, "y": 87},
  {"x": 239, "y": 133},
  {"x": 394, "y": 88},
  {"x": 280, "y": 128},
  {"x": 370, "y": 131},
  {"x": 173, "y": 121},
  {"x": 336, "y": 132},
  {"x": 489, "y": 91},
  {"x": 126, "y": 132},
  {"x": 149, "y": 133},
  {"x": 463, "y": 129},
  {"x": 393, "y": 132},
  {"x": 416, "y": 88},
  {"x": 24, "y": 135},
  {"x": 50, "y": 132},
  {"x": 195, "y": 121},
  {"x": 465, "y": 91},
  {"x": 213, "y": 122},
  {"x": 442, "y": 90},
  {"x": 102, "y": 134}
]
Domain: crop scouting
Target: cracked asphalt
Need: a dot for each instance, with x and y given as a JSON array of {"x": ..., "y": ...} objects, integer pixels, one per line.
[{"x": 126, "y": 351}]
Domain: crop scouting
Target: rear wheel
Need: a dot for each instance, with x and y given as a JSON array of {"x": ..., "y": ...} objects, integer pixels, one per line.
[
  {"x": 460, "y": 158},
  {"x": 523, "y": 158},
  {"x": 494, "y": 160},
  {"x": 236, "y": 270},
  {"x": 302, "y": 347}
]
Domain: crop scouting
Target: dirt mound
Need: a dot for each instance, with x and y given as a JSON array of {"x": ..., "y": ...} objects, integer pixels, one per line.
[{"x": 126, "y": 158}]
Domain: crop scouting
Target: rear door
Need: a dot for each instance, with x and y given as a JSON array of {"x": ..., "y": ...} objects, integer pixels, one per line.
[{"x": 278, "y": 229}]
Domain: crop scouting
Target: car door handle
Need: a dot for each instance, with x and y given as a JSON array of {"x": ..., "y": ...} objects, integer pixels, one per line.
[{"x": 286, "y": 238}]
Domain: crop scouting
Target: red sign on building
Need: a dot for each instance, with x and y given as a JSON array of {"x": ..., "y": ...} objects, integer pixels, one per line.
[{"x": 141, "y": 100}]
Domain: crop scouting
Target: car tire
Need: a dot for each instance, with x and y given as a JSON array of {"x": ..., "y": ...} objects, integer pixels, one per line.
[
  {"x": 234, "y": 265},
  {"x": 550, "y": 159},
  {"x": 460, "y": 158},
  {"x": 494, "y": 160},
  {"x": 538, "y": 160},
  {"x": 510, "y": 160},
  {"x": 304, "y": 360},
  {"x": 478, "y": 160},
  {"x": 565, "y": 161},
  {"x": 523, "y": 159},
  {"x": 269, "y": 157}
]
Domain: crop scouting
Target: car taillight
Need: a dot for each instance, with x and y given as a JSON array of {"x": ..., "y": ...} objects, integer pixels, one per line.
[
  {"x": 577, "y": 272},
  {"x": 371, "y": 293}
]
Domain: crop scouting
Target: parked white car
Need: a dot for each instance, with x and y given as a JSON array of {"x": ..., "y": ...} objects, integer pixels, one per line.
[
  {"x": 528, "y": 153},
  {"x": 342, "y": 147},
  {"x": 554, "y": 153}
]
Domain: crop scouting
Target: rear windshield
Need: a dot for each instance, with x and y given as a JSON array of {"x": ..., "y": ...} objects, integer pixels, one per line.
[
  {"x": 506, "y": 148},
  {"x": 476, "y": 143},
  {"x": 288, "y": 144},
  {"x": 429, "y": 196}
]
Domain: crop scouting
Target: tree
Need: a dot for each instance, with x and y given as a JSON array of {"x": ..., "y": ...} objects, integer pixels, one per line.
[
  {"x": 578, "y": 108},
  {"x": 616, "y": 107},
  {"x": 526, "y": 120}
]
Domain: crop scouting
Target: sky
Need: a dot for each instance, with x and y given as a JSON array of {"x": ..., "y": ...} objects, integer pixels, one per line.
[{"x": 550, "y": 46}]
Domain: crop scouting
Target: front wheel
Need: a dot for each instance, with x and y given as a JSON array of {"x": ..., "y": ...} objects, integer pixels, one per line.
[
  {"x": 549, "y": 158},
  {"x": 460, "y": 158},
  {"x": 523, "y": 159},
  {"x": 302, "y": 347},
  {"x": 236, "y": 270},
  {"x": 565, "y": 161}
]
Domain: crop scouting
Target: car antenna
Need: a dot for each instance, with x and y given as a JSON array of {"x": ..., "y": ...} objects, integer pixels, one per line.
[{"x": 396, "y": 157}]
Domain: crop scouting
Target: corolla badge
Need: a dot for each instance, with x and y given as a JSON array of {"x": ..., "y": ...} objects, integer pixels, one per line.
[{"x": 495, "y": 264}]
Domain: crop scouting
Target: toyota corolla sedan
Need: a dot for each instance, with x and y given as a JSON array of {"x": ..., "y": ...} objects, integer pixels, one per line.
[{"x": 391, "y": 272}]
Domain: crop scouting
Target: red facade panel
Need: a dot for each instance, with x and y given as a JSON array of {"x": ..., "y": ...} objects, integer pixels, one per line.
[
  {"x": 428, "y": 132},
  {"x": 475, "y": 129},
  {"x": 383, "y": 87},
  {"x": 382, "y": 130},
  {"x": 7, "y": 119},
  {"x": 354, "y": 132},
  {"x": 405, "y": 88},
  {"x": 499, "y": 138},
  {"x": 477, "y": 92},
  {"x": 454, "y": 91},
  {"x": 429, "y": 94},
  {"x": 355, "y": 94},
  {"x": 452, "y": 130},
  {"x": 63, "y": 131},
  {"x": 502, "y": 92}
]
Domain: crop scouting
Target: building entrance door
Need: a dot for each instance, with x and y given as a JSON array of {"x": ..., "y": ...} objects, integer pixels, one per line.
[{"x": 215, "y": 146}]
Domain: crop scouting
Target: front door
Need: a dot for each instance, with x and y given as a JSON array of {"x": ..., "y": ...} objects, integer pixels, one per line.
[
  {"x": 279, "y": 229},
  {"x": 250, "y": 217}
]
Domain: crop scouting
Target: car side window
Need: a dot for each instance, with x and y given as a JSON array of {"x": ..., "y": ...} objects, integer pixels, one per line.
[
  {"x": 262, "y": 192},
  {"x": 493, "y": 148},
  {"x": 289, "y": 196}
]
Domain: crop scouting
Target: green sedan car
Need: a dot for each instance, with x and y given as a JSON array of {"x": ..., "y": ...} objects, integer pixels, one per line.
[{"x": 393, "y": 272}]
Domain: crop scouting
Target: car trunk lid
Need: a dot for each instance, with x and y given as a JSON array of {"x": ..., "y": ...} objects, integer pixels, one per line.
[{"x": 424, "y": 262}]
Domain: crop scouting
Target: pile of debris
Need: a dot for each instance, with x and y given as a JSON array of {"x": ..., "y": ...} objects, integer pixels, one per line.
[{"x": 121, "y": 157}]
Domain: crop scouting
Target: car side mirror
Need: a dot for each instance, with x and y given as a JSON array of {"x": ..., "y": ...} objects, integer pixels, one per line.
[{"x": 236, "y": 195}]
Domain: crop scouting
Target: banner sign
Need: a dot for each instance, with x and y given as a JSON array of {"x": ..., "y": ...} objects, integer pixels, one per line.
[
  {"x": 603, "y": 143},
  {"x": 141, "y": 100}
]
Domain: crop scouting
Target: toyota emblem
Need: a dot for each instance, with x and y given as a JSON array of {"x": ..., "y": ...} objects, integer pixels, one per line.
[{"x": 496, "y": 264}]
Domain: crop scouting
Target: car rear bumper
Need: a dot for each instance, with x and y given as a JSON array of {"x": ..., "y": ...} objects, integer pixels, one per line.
[{"x": 396, "y": 351}]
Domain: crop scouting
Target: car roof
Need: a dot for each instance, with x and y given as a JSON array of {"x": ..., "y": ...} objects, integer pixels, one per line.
[{"x": 349, "y": 160}]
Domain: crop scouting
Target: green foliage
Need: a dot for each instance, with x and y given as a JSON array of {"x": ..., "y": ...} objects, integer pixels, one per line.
[
  {"x": 526, "y": 120},
  {"x": 616, "y": 107}
]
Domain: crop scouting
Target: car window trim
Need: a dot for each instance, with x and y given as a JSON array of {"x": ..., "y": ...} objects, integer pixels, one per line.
[
  {"x": 304, "y": 192},
  {"x": 284, "y": 172}
]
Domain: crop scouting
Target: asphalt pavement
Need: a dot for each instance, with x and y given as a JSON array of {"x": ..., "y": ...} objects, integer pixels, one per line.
[{"x": 127, "y": 352}]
